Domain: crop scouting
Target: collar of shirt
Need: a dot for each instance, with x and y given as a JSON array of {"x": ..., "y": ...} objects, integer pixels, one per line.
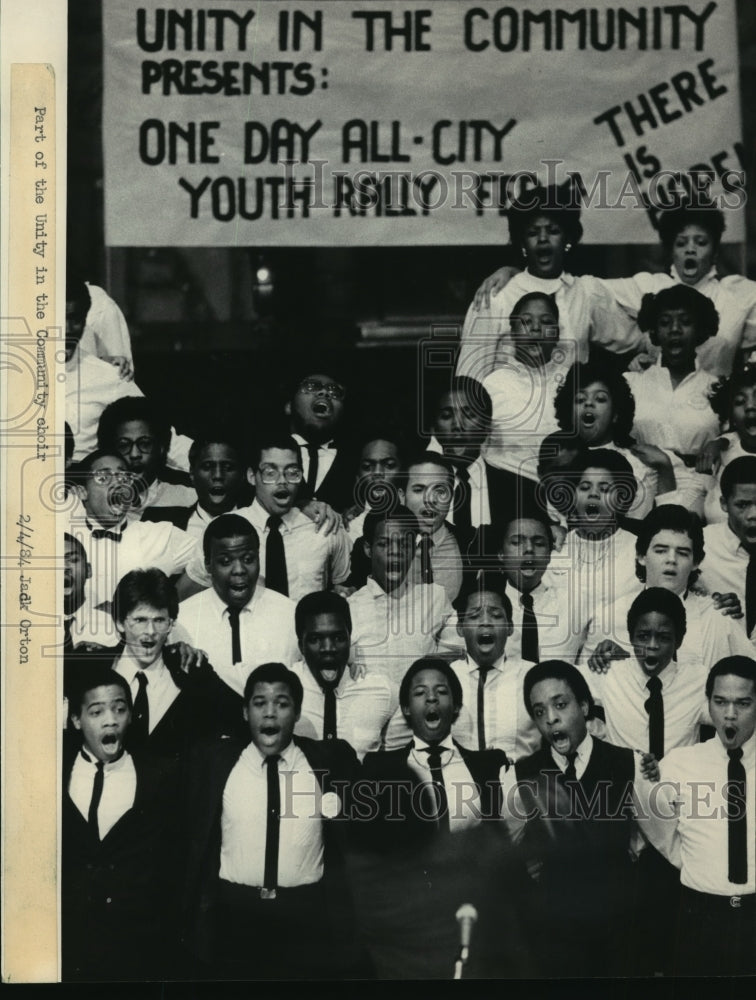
[
  {"x": 258, "y": 515},
  {"x": 581, "y": 761},
  {"x": 115, "y": 529},
  {"x": 434, "y": 445},
  {"x": 667, "y": 675},
  {"x": 222, "y": 608},
  {"x": 376, "y": 590},
  {"x": 446, "y": 745},
  {"x": 749, "y": 751},
  {"x": 551, "y": 284},
  {"x": 113, "y": 765},
  {"x": 699, "y": 285},
  {"x": 659, "y": 367},
  {"x": 731, "y": 541},
  {"x": 286, "y": 756},
  {"x": 498, "y": 666},
  {"x": 128, "y": 668},
  {"x": 322, "y": 445}
]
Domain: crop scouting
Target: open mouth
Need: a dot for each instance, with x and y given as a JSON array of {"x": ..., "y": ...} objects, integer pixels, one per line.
[
  {"x": 110, "y": 741},
  {"x": 269, "y": 730},
  {"x": 282, "y": 496},
  {"x": 486, "y": 639},
  {"x": 690, "y": 266},
  {"x": 432, "y": 719},
  {"x": 592, "y": 510},
  {"x": 560, "y": 741},
  {"x": 321, "y": 408},
  {"x": 730, "y": 732}
]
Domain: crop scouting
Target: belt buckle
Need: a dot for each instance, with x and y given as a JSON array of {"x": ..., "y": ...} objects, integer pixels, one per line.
[
  {"x": 267, "y": 893},
  {"x": 735, "y": 901}
]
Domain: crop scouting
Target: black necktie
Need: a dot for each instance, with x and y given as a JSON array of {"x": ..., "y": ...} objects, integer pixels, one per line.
[
  {"x": 569, "y": 773},
  {"x": 94, "y": 803},
  {"x": 441, "y": 802},
  {"x": 426, "y": 569},
  {"x": 750, "y": 594},
  {"x": 737, "y": 827},
  {"x": 312, "y": 467},
  {"x": 273, "y": 822},
  {"x": 275, "y": 558},
  {"x": 462, "y": 508},
  {"x": 529, "y": 629},
  {"x": 140, "y": 716},
  {"x": 654, "y": 705},
  {"x": 482, "y": 675},
  {"x": 233, "y": 618},
  {"x": 329, "y": 712},
  {"x": 67, "y": 639}
]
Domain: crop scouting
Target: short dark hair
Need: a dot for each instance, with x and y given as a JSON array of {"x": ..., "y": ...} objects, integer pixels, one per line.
[
  {"x": 615, "y": 463},
  {"x": 277, "y": 438},
  {"x": 699, "y": 306},
  {"x": 558, "y": 202},
  {"x": 739, "y": 472},
  {"x": 211, "y": 437},
  {"x": 672, "y": 221},
  {"x": 228, "y": 526},
  {"x": 431, "y": 663},
  {"x": 131, "y": 408},
  {"x": 321, "y": 602},
  {"x": 431, "y": 458},
  {"x": 274, "y": 673},
  {"x": 723, "y": 392},
  {"x": 528, "y": 512},
  {"x": 557, "y": 670},
  {"x": 476, "y": 583},
  {"x": 669, "y": 517},
  {"x": 69, "y": 442},
  {"x": 478, "y": 395},
  {"x": 144, "y": 586},
  {"x": 396, "y": 515},
  {"x": 97, "y": 673},
  {"x": 663, "y": 602},
  {"x": 535, "y": 297},
  {"x": 580, "y": 376},
  {"x": 75, "y": 541},
  {"x": 739, "y": 666}
]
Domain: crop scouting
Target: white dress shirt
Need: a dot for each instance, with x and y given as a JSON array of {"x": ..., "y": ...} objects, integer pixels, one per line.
[
  {"x": 557, "y": 638},
  {"x": 508, "y": 724},
  {"x": 88, "y": 624},
  {"x": 266, "y": 632},
  {"x": 523, "y": 410},
  {"x": 391, "y": 631},
  {"x": 314, "y": 560},
  {"x": 106, "y": 333},
  {"x": 593, "y": 573},
  {"x": 461, "y": 791},
  {"x": 622, "y": 692},
  {"x": 480, "y": 509},
  {"x": 143, "y": 545},
  {"x": 244, "y": 821},
  {"x": 326, "y": 456},
  {"x": 725, "y": 564},
  {"x": 445, "y": 560},
  {"x": 161, "y": 688},
  {"x": 118, "y": 789},
  {"x": 674, "y": 418},
  {"x": 587, "y": 313},
  {"x": 363, "y": 708},
  {"x": 684, "y": 816},
  {"x": 160, "y": 494}
]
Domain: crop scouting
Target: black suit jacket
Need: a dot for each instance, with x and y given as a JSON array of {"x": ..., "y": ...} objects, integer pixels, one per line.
[
  {"x": 335, "y": 765},
  {"x": 119, "y": 895}
]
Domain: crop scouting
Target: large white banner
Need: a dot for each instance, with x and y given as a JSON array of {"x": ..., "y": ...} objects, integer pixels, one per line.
[{"x": 332, "y": 122}]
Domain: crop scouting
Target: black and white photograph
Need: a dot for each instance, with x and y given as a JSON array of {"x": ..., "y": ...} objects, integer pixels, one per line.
[{"x": 379, "y": 524}]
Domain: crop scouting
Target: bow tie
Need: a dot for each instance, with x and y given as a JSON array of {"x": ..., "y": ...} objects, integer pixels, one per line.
[{"x": 113, "y": 536}]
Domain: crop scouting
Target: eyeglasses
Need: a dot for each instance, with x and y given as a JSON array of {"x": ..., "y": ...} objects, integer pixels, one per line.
[
  {"x": 160, "y": 623},
  {"x": 271, "y": 474},
  {"x": 145, "y": 445},
  {"x": 104, "y": 477},
  {"x": 331, "y": 389}
]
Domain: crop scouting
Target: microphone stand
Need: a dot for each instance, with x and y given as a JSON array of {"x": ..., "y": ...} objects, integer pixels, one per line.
[{"x": 461, "y": 962}]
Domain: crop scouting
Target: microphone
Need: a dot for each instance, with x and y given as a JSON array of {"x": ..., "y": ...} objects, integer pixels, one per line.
[{"x": 466, "y": 918}]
